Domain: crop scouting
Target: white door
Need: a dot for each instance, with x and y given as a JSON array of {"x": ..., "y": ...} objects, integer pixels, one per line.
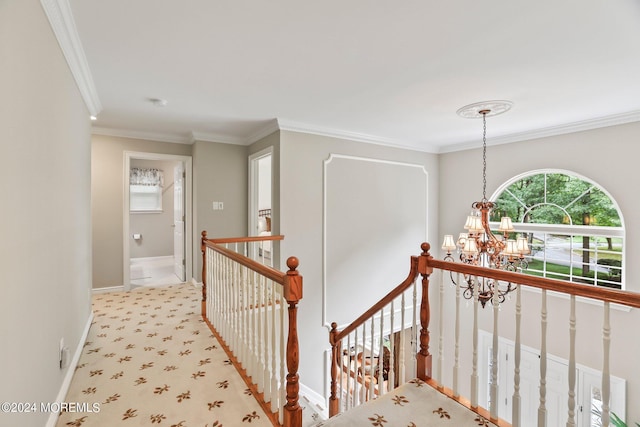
[{"x": 178, "y": 221}]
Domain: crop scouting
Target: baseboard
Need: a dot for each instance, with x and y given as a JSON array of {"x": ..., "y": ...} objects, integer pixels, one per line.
[
  {"x": 316, "y": 399},
  {"x": 195, "y": 283},
  {"x": 107, "y": 289},
  {"x": 71, "y": 369},
  {"x": 162, "y": 258}
]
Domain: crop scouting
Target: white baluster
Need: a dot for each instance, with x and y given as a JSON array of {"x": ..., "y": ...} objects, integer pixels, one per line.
[
  {"x": 456, "y": 351},
  {"x": 234, "y": 306},
  {"x": 348, "y": 402},
  {"x": 223, "y": 295},
  {"x": 267, "y": 350},
  {"x": 208, "y": 280},
  {"x": 606, "y": 377},
  {"x": 474, "y": 358},
  {"x": 259, "y": 338},
  {"x": 371, "y": 356},
  {"x": 283, "y": 355},
  {"x": 353, "y": 365},
  {"x": 339, "y": 379},
  {"x": 213, "y": 294},
  {"x": 392, "y": 360},
  {"x": 494, "y": 356},
  {"x": 415, "y": 333},
  {"x": 246, "y": 307},
  {"x": 274, "y": 381},
  {"x": 571, "y": 420},
  {"x": 403, "y": 328},
  {"x": 380, "y": 364},
  {"x": 441, "y": 310},
  {"x": 223, "y": 299},
  {"x": 515, "y": 417},
  {"x": 542, "y": 410}
]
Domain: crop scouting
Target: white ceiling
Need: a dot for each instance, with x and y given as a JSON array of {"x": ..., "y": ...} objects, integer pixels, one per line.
[{"x": 379, "y": 71}]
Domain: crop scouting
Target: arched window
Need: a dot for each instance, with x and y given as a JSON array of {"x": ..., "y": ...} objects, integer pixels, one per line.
[{"x": 574, "y": 228}]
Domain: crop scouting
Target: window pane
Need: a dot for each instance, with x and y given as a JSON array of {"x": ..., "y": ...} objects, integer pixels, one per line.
[{"x": 145, "y": 198}]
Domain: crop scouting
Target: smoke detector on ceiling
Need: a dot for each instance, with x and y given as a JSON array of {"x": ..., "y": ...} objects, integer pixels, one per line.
[{"x": 158, "y": 102}]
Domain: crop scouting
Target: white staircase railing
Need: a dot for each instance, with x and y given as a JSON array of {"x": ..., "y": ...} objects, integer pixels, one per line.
[{"x": 252, "y": 308}]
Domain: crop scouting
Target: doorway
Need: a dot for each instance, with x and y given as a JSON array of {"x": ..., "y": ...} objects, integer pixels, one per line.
[
  {"x": 157, "y": 226},
  {"x": 260, "y": 192}
]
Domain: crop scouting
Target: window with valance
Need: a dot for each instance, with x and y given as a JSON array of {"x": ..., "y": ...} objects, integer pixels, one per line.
[{"x": 145, "y": 189}]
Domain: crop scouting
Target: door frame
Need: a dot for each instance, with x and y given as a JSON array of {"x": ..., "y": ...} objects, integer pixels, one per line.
[
  {"x": 188, "y": 206},
  {"x": 254, "y": 189}
]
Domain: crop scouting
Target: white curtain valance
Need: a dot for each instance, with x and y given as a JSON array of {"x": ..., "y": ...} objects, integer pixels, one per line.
[{"x": 142, "y": 176}]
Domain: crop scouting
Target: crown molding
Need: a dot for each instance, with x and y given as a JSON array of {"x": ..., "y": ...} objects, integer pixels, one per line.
[
  {"x": 286, "y": 125},
  {"x": 580, "y": 126},
  {"x": 216, "y": 137},
  {"x": 147, "y": 136},
  {"x": 266, "y": 130},
  {"x": 354, "y": 136},
  {"x": 61, "y": 20}
]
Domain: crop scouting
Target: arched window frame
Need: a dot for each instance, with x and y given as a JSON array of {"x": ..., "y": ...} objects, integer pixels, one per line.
[{"x": 567, "y": 229}]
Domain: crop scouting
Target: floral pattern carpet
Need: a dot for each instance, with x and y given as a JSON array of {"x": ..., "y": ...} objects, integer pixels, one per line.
[
  {"x": 414, "y": 404},
  {"x": 150, "y": 360}
]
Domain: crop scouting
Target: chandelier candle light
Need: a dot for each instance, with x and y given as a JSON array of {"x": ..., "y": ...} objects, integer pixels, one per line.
[{"x": 479, "y": 246}]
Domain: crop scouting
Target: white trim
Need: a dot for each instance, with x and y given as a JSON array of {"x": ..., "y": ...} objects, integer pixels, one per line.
[
  {"x": 580, "y": 126},
  {"x": 325, "y": 322},
  {"x": 217, "y": 137},
  {"x": 413, "y": 145},
  {"x": 71, "y": 369},
  {"x": 262, "y": 132},
  {"x": 107, "y": 289},
  {"x": 189, "y": 238},
  {"x": 189, "y": 138},
  {"x": 147, "y": 136},
  {"x": 152, "y": 258},
  {"x": 195, "y": 283},
  {"x": 61, "y": 20},
  {"x": 316, "y": 399},
  {"x": 356, "y": 136}
]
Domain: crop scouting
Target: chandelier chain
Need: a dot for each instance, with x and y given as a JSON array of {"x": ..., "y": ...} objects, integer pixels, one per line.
[{"x": 484, "y": 156}]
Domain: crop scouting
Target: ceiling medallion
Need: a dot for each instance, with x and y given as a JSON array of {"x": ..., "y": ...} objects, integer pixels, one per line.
[{"x": 484, "y": 109}]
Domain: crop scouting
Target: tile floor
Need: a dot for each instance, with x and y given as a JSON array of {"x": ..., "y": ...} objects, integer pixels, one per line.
[{"x": 154, "y": 271}]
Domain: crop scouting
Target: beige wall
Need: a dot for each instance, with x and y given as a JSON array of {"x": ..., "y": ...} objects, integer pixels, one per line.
[
  {"x": 219, "y": 174},
  {"x": 46, "y": 230},
  {"x": 302, "y": 158},
  {"x": 107, "y": 193},
  {"x": 606, "y": 156}
]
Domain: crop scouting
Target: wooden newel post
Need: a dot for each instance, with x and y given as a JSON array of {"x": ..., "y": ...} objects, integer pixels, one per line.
[
  {"x": 203, "y": 249},
  {"x": 334, "y": 401},
  {"x": 293, "y": 294},
  {"x": 423, "y": 356}
]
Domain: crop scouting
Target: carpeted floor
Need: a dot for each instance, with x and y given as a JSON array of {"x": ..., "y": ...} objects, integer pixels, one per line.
[{"x": 150, "y": 360}]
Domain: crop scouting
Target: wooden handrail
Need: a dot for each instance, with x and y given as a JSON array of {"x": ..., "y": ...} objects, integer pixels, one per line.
[
  {"x": 630, "y": 299},
  {"x": 271, "y": 273}
]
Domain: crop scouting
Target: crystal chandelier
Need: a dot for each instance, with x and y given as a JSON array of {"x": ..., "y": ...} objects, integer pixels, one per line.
[{"x": 478, "y": 245}]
